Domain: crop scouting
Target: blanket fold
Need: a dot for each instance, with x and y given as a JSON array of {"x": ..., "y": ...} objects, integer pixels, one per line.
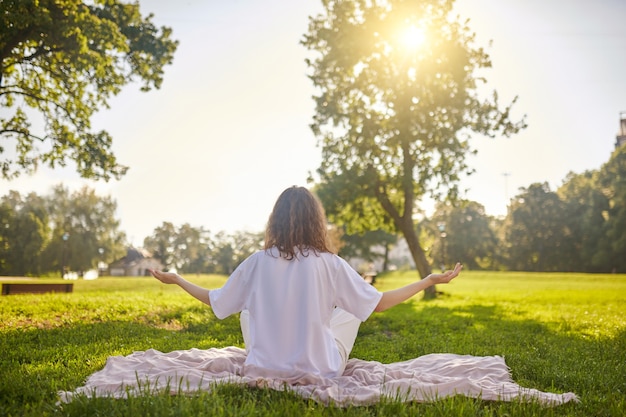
[{"x": 426, "y": 378}]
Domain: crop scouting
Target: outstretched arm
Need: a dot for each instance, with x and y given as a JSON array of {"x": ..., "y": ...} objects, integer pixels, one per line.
[
  {"x": 395, "y": 297},
  {"x": 194, "y": 290}
]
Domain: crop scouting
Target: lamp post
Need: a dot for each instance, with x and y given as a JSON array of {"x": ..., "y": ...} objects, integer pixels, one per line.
[
  {"x": 442, "y": 233},
  {"x": 64, "y": 237}
]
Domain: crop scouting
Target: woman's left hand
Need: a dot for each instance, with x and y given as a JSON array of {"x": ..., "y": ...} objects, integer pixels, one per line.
[{"x": 447, "y": 276}]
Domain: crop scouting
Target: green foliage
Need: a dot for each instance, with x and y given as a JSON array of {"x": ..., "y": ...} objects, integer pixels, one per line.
[
  {"x": 580, "y": 227},
  {"x": 161, "y": 244},
  {"x": 232, "y": 249},
  {"x": 195, "y": 250},
  {"x": 61, "y": 61},
  {"x": 558, "y": 332},
  {"x": 33, "y": 230},
  {"x": 88, "y": 222},
  {"x": 464, "y": 233},
  {"x": 369, "y": 246},
  {"x": 537, "y": 237},
  {"x": 577, "y": 228},
  {"x": 24, "y": 233},
  {"x": 612, "y": 179},
  {"x": 583, "y": 217},
  {"x": 393, "y": 120}
]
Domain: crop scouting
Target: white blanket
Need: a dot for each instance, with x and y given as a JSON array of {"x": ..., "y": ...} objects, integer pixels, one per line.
[{"x": 426, "y": 378}]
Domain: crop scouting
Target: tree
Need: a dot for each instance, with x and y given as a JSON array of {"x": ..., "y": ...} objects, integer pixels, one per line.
[
  {"x": 162, "y": 244},
  {"x": 537, "y": 235},
  {"x": 612, "y": 179},
  {"x": 85, "y": 230},
  {"x": 223, "y": 255},
  {"x": 370, "y": 246},
  {"x": 191, "y": 249},
  {"x": 62, "y": 60},
  {"x": 585, "y": 208},
  {"x": 57, "y": 232},
  {"x": 24, "y": 233},
  {"x": 245, "y": 244},
  {"x": 399, "y": 92},
  {"x": 464, "y": 233},
  {"x": 231, "y": 249}
]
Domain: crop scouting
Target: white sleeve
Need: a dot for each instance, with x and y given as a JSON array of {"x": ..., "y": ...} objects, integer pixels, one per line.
[
  {"x": 354, "y": 294},
  {"x": 231, "y": 298}
]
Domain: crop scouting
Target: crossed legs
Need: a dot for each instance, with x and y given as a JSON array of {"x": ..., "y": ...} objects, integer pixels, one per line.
[{"x": 344, "y": 326}]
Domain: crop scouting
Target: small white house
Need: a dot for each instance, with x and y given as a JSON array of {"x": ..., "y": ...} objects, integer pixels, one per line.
[{"x": 135, "y": 264}]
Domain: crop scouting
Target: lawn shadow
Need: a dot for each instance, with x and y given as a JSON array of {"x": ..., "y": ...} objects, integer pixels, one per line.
[
  {"x": 539, "y": 356},
  {"x": 36, "y": 363}
]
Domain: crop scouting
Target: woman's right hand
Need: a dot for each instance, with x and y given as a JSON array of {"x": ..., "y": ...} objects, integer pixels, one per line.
[{"x": 165, "y": 277}]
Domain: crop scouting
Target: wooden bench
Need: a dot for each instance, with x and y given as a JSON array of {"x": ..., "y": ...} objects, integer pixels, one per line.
[{"x": 35, "y": 288}]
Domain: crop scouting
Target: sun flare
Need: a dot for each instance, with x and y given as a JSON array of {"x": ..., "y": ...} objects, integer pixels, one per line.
[{"x": 413, "y": 37}]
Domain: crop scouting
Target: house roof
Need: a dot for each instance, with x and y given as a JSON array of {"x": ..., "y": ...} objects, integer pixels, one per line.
[{"x": 132, "y": 255}]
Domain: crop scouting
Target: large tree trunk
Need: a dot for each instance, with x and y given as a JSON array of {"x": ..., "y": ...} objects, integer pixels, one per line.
[
  {"x": 404, "y": 223},
  {"x": 419, "y": 257}
]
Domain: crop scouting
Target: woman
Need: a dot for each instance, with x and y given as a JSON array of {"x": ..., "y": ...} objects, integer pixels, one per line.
[{"x": 301, "y": 305}]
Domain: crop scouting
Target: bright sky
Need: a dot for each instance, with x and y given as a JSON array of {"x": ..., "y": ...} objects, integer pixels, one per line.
[{"x": 228, "y": 130}]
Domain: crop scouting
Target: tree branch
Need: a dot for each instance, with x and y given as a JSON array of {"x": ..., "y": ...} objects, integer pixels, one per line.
[
  {"x": 383, "y": 199},
  {"x": 22, "y": 133},
  {"x": 56, "y": 105},
  {"x": 39, "y": 52}
]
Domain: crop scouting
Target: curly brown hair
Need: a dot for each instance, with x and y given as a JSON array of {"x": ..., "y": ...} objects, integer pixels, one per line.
[{"x": 297, "y": 224}]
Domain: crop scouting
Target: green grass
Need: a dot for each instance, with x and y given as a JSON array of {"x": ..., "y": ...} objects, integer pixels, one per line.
[{"x": 557, "y": 332}]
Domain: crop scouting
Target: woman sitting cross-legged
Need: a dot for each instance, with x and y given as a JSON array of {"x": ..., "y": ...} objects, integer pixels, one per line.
[{"x": 301, "y": 305}]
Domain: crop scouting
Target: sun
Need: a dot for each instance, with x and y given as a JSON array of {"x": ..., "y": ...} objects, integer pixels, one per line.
[{"x": 413, "y": 37}]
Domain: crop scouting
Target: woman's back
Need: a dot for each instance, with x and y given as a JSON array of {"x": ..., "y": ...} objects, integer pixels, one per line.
[{"x": 290, "y": 304}]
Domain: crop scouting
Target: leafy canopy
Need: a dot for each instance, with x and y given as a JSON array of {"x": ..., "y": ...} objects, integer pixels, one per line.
[
  {"x": 400, "y": 89},
  {"x": 399, "y": 93},
  {"x": 61, "y": 61},
  {"x": 61, "y": 230}
]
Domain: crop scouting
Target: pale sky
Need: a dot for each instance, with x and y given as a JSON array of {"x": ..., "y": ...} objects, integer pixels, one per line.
[{"x": 228, "y": 130}]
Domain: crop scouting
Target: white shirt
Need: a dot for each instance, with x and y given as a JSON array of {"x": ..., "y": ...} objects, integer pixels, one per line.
[{"x": 290, "y": 304}]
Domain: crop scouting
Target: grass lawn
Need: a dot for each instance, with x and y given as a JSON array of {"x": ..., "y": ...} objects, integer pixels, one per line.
[{"x": 557, "y": 332}]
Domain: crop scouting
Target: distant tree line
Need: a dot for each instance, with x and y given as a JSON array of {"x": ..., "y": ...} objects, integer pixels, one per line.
[
  {"x": 579, "y": 227},
  {"x": 191, "y": 249},
  {"x": 77, "y": 231},
  {"x": 62, "y": 231}
]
